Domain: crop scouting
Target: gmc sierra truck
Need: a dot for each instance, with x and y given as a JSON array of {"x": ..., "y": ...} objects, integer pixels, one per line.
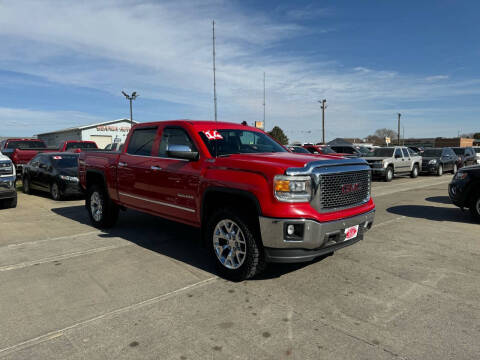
[
  {"x": 255, "y": 201},
  {"x": 21, "y": 151}
]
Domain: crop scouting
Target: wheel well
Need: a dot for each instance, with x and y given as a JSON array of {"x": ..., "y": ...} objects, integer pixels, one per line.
[
  {"x": 245, "y": 203},
  {"x": 95, "y": 178}
]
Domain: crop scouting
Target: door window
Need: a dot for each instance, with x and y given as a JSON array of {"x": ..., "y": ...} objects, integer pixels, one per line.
[
  {"x": 174, "y": 136},
  {"x": 141, "y": 141},
  {"x": 398, "y": 154},
  {"x": 405, "y": 152}
]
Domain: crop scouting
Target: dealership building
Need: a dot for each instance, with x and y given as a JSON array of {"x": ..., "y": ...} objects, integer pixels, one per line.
[{"x": 103, "y": 134}]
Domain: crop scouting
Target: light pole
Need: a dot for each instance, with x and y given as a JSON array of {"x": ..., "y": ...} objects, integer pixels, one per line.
[
  {"x": 398, "y": 141},
  {"x": 130, "y": 98},
  {"x": 323, "y": 106}
]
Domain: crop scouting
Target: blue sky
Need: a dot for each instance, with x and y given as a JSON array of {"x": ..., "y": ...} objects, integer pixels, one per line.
[{"x": 64, "y": 63}]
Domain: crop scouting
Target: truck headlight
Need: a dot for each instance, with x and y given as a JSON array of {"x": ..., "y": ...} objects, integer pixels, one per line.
[
  {"x": 432, "y": 162},
  {"x": 69, "y": 178},
  {"x": 292, "y": 188}
]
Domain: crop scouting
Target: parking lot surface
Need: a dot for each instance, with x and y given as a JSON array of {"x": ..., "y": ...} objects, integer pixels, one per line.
[{"x": 147, "y": 290}]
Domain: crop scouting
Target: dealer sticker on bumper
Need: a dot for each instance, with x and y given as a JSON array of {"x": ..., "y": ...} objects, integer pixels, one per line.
[{"x": 351, "y": 232}]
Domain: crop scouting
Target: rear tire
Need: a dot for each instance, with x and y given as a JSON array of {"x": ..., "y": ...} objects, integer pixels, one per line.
[
  {"x": 414, "y": 172},
  {"x": 103, "y": 212},
  {"x": 475, "y": 206},
  {"x": 235, "y": 245},
  {"x": 389, "y": 174},
  {"x": 440, "y": 170}
]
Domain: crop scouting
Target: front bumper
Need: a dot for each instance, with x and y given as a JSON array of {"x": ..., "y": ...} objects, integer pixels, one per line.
[
  {"x": 318, "y": 238},
  {"x": 7, "y": 187},
  {"x": 430, "y": 168},
  {"x": 69, "y": 188}
]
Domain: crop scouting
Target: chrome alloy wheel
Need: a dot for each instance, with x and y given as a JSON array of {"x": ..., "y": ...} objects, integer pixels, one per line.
[
  {"x": 96, "y": 206},
  {"x": 229, "y": 244}
]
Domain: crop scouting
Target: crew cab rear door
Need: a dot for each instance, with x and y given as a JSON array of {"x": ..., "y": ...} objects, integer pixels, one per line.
[
  {"x": 134, "y": 169},
  {"x": 175, "y": 181},
  {"x": 408, "y": 163}
]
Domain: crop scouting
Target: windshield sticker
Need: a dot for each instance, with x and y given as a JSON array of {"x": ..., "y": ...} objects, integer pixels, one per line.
[
  {"x": 57, "y": 158},
  {"x": 213, "y": 135}
]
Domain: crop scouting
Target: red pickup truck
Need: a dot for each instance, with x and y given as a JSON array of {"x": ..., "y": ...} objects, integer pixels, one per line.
[
  {"x": 255, "y": 201},
  {"x": 21, "y": 151},
  {"x": 77, "y": 145}
]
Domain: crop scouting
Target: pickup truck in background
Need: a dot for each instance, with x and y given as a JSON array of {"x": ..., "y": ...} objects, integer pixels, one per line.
[
  {"x": 387, "y": 162},
  {"x": 77, "y": 146},
  {"x": 21, "y": 151},
  {"x": 255, "y": 201},
  {"x": 8, "y": 191}
]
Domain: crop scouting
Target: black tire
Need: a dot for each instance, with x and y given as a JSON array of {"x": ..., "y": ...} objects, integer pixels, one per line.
[
  {"x": 26, "y": 185},
  {"x": 10, "y": 203},
  {"x": 254, "y": 258},
  {"x": 414, "y": 172},
  {"x": 389, "y": 174},
  {"x": 475, "y": 206},
  {"x": 108, "y": 215},
  {"x": 440, "y": 170},
  {"x": 55, "y": 192}
]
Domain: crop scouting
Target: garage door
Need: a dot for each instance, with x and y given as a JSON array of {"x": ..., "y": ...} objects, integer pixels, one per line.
[{"x": 101, "y": 140}]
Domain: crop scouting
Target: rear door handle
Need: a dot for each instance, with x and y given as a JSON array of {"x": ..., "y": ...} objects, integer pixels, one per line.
[
  {"x": 155, "y": 168},
  {"x": 122, "y": 164}
]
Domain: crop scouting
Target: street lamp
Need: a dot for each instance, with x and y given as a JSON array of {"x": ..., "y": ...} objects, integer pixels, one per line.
[{"x": 130, "y": 98}]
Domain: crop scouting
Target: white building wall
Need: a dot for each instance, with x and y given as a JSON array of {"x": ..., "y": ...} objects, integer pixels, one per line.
[{"x": 117, "y": 132}]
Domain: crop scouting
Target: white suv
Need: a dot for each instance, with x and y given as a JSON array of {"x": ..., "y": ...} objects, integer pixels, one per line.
[{"x": 8, "y": 192}]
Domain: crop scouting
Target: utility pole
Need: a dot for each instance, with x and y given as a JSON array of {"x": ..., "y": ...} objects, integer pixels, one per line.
[
  {"x": 323, "y": 107},
  {"x": 130, "y": 98},
  {"x": 264, "y": 127},
  {"x": 399, "y": 129},
  {"x": 214, "y": 80},
  {"x": 403, "y": 128}
]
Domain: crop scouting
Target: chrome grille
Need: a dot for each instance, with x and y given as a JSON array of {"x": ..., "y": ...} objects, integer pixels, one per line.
[
  {"x": 343, "y": 189},
  {"x": 6, "y": 168}
]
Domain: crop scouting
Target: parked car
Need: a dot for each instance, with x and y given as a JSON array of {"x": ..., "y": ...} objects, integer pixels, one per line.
[
  {"x": 255, "y": 201},
  {"x": 55, "y": 173},
  {"x": 346, "y": 149},
  {"x": 21, "y": 151},
  {"x": 477, "y": 153},
  {"x": 77, "y": 145},
  {"x": 390, "y": 161},
  {"x": 464, "y": 190},
  {"x": 8, "y": 191},
  {"x": 439, "y": 160},
  {"x": 467, "y": 155},
  {"x": 418, "y": 149},
  {"x": 323, "y": 150},
  {"x": 298, "y": 150}
]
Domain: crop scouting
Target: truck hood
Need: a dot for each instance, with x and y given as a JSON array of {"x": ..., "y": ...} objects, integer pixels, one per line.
[
  {"x": 4, "y": 157},
  {"x": 280, "y": 160}
]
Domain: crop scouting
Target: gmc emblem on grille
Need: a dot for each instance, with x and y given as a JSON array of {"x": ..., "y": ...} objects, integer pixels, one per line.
[{"x": 349, "y": 188}]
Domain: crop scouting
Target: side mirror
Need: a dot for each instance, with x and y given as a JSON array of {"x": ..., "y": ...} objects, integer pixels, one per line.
[{"x": 182, "y": 152}]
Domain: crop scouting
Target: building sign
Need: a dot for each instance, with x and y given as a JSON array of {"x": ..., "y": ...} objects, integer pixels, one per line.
[
  {"x": 113, "y": 128},
  {"x": 259, "y": 124},
  {"x": 387, "y": 140}
]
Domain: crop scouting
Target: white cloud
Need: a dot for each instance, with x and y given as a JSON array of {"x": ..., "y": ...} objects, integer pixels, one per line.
[
  {"x": 436, "y": 78},
  {"x": 163, "y": 51}
]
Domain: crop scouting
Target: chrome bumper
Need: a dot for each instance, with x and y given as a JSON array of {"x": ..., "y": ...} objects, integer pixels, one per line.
[{"x": 318, "y": 238}]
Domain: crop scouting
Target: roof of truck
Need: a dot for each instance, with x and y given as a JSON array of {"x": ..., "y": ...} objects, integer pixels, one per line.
[{"x": 201, "y": 125}]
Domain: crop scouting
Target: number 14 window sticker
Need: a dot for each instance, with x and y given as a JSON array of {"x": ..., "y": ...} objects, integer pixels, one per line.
[{"x": 213, "y": 135}]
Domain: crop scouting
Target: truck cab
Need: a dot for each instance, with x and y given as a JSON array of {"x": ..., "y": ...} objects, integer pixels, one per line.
[{"x": 255, "y": 201}]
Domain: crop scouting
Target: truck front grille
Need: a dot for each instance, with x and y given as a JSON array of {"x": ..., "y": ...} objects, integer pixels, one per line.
[{"x": 343, "y": 190}]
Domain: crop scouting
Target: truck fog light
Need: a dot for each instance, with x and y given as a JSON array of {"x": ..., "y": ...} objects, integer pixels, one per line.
[{"x": 293, "y": 232}]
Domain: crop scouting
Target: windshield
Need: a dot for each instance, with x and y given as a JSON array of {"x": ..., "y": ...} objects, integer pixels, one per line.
[
  {"x": 380, "y": 152},
  {"x": 363, "y": 150},
  {"x": 64, "y": 161},
  {"x": 241, "y": 142},
  {"x": 26, "y": 144},
  {"x": 432, "y": 153},
  {"x": 81, "y": 145},
  {"x": 459, "y": 151},
  {"x": 327, "y": 150}
]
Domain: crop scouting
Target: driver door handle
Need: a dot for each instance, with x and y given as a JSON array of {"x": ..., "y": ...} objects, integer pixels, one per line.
[
  {"x": 155, "y": 168},
  {"x": 122, "y": 164}
]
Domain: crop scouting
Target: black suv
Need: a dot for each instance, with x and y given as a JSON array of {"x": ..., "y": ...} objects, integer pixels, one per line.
[
  {"x": 464, "y": 190},
  {"x": 467, "y": 155}
]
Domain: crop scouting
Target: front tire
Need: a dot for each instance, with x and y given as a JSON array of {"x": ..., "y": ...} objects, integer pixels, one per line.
[
  {"x": 475, "y": 207},
  {"x": 26, "y": 185},
  {"x": 440, "y": 170},
  {"x": 55, "y": 192},
  {"x": 235, "y": 245},
  {"x": 103, "y": 212},
  {"x": 389, "y": 174},
  {"x": 414, "y": 172}
]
